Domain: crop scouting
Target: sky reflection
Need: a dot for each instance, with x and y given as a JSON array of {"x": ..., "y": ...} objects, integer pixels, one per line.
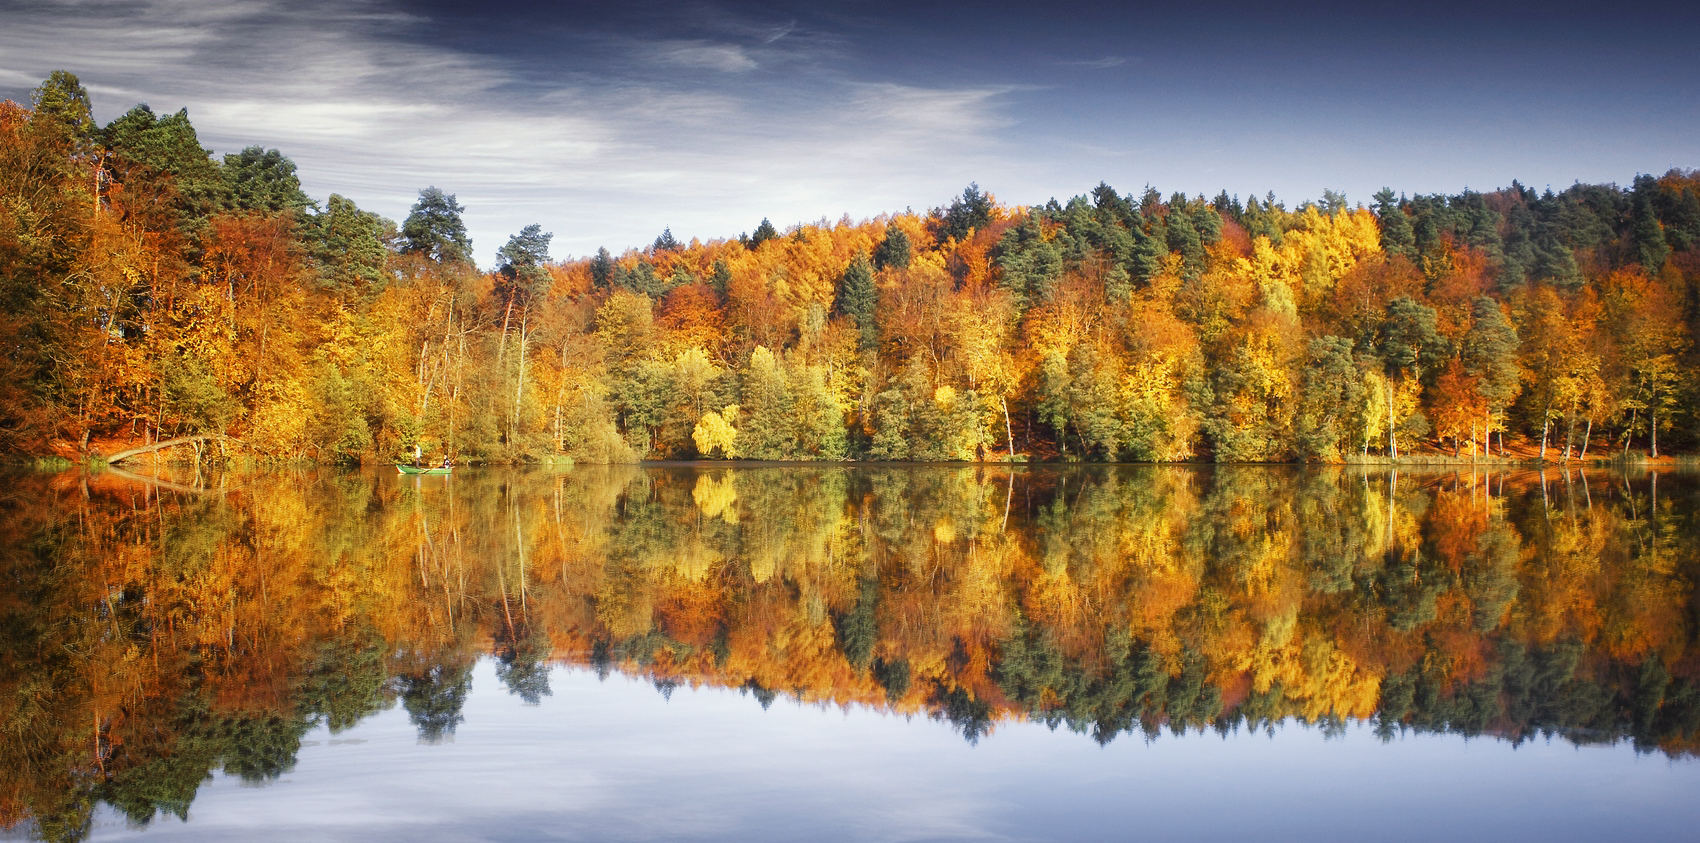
[{"x": 615, "y": 759}]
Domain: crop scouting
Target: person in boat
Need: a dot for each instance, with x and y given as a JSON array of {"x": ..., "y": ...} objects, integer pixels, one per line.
[{"x": 446, "y": 463}]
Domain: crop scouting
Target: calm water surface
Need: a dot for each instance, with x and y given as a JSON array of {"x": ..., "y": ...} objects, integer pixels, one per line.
[{"x": 850, "y": 654}]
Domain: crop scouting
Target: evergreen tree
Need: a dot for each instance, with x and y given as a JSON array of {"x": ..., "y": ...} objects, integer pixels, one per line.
[
  {"x": 263, "y": 180},
  {"x": 1408, "y": 341},
  {"x": 1091, "y": 398},
  {"x": 1677, "y": 203},
  {"x": 642, "y": 279},
  {"x": 893, "y": 252},
  {"x": 64, "y": 101},
  {"x": 1031, "y": 265},
  {"x": 1053, "y": 399},
  {"x": 1184, "y": 238},
  {"x": 347, "y": 247},
  {"x": 1476, "y": 224},
  {"x": 1229, "y": 207},
  {"x": 1648, "y": 236},
  {"x": 1489, "y": 353},
  {"x": 764, "y": 233},
  {"x": 523, "y": 260},
  {"x": 721, "y": 281},
  {"x": 1521, "y": 254},
  {"x": 1148, "y": 254},
  {"x": 152, "y": 151},
  {"x": 891, "y": 419},
  {"x": 1150, "y": 203},
  {"x": 602, "y": 269},
  {"x": 858, "y": 299},
  {"x": 1208, "y": 224},
  {"x": 1410, "y": 347},
  {"x": 1426, "y": 214},
  {"x": 1397, "y": 237},
  {"x": 1555, "y": 264},
  {"x": 433, "y": 228},
  {"x": 968, "y": 212},
  {"x": 1330, "y": 387},
  {"x": 1112, "y": 206}
]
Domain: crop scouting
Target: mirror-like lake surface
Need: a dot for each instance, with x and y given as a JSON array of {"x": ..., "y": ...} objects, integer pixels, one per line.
[{"x": 867, "y": 653}]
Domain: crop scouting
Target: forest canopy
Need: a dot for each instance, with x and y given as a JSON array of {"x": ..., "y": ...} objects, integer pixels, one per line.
[{"x": 150, "y": 289}]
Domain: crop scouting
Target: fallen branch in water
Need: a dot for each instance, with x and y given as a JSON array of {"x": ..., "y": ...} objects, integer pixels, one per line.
[{"x": 167, "y": 443}]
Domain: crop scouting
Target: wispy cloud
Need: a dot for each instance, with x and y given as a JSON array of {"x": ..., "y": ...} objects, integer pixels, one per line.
[
  {"x": 369, "y": 109},
  {"x": 605, "y": 122},
  {"x": 1099, "y": 63},
  {"x": 728, "y": 58}
]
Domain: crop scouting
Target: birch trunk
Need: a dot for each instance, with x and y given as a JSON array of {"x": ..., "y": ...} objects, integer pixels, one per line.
[
  {"x": 519, "y": 385},
  {"x": 1392, "y": 433}
]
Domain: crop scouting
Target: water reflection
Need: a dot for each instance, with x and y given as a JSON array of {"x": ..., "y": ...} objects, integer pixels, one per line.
[{"x": 152, "y": 633}]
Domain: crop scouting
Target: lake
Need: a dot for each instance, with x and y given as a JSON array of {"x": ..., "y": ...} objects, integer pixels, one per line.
[{"x": 851, "y": 653}]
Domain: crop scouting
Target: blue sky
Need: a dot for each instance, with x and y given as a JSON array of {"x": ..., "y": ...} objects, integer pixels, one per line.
[{"x": 606, "y": 122}]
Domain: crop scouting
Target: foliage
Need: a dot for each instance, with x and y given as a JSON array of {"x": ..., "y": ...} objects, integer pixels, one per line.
[
  {"x": 348, "y": 249},
  {"x": 433, "y": 228},
  {"x": 263, "y": 180},
  {"x": 148, "y": 290}
]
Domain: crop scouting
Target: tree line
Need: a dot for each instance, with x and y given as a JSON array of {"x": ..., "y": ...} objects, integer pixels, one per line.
[{"x": 150, "y": 290}]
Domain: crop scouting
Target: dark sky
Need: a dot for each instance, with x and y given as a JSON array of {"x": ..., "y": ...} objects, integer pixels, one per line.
[{"x": 607, "y": 121}]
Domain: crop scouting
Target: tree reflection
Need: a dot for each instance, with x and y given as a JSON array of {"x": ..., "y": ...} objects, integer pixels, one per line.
[
  {"x": 150, "y": 637},
  {"x": 433, "y": 698}
]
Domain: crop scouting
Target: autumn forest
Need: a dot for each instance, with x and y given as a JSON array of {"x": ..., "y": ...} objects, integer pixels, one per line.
[{"x": 149, "y": 290}]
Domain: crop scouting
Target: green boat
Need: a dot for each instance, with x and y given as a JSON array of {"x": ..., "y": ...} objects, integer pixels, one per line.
[{"x": 413, "y": 469}]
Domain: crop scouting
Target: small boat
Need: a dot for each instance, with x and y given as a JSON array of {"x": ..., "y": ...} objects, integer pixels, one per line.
[{"x": 414, "y": 469}]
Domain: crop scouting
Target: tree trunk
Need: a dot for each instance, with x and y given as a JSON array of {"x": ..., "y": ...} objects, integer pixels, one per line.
[
  {"x": 99, "y": 170},
  {"x": 502, "y": 344},
  {"x": 1653, "y": 423},
  {"x": 1392, "y": 437},
  {"x": 1545, "y": 424},
  {"x": 519, "y": 386},
  {"x": 1008, "y": 431},
  {"x": 168, "y": 443},
  {"x": 1588, "y": 435},
  {"x": 561, "y": 397},
  {"x": 424, "y": 383},
  {"x": 1629, "y": 432},
  {"x": 454, "y": 396},
  {"x": 1569, "y": 432}
]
